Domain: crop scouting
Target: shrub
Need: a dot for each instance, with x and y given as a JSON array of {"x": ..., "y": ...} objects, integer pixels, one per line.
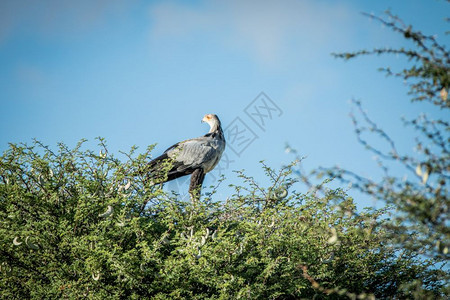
[{"x": 77, "y": 224}]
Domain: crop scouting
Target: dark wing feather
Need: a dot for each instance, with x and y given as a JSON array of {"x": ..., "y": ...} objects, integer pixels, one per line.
[
  {"x": 178, "y": 168},
  {"x": 185, "y": 157}
]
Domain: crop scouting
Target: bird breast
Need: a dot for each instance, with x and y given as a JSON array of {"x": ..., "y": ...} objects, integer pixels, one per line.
[{"x": 211, "y": 163}]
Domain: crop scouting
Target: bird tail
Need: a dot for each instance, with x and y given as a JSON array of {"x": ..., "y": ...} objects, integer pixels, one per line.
[
  {"x": 157, "y": 170},
  {"x": 163, "y": 169}
]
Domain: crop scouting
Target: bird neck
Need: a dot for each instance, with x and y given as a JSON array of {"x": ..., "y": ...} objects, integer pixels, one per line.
[{"x": 215, "y": 127}]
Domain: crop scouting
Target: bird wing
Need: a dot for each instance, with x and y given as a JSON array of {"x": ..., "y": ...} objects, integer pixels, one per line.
[
  {"x": 194, "y": 153},
  {"x": 187, "y": 156}
]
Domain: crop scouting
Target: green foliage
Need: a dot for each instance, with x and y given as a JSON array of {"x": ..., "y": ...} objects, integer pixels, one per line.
[
  {"x": 428, "y": 74},
  {"x": 420, "y": 197},
  {"x": 74, "y": 224}
]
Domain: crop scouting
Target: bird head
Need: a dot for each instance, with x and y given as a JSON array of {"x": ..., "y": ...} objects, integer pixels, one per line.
[
  {"x": 208, "y": 118},
  {"x": 212, "y": 120}
]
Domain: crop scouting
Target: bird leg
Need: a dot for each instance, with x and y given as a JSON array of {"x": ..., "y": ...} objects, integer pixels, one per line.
[{"x": 196, "y": 184}]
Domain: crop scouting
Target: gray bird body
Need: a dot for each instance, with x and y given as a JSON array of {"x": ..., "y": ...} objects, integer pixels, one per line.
[
  {"x": 198, "y": 155},
  {"x": 202, "y": 152}
]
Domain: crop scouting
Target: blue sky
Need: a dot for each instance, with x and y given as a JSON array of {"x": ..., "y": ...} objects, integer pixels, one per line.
[{"x": 144, "y": 72}]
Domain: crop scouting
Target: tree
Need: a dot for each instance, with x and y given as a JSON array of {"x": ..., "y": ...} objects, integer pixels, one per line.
[
  {"x": 421, "y": 201},
  {"x": 79, "y": 224}
]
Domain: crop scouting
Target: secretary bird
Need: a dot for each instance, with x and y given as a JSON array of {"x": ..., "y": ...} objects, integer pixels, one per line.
[{"x": 196, "y": 156}]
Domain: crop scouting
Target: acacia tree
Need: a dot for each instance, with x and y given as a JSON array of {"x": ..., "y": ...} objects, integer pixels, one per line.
[
  {"x": 76, "y": 224},
  {"x": 421, "y": 201}
]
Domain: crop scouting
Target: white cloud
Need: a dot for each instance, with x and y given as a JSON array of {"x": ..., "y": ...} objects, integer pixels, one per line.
[
  {"x": 266, "y": 30},
  {"x": 56, "y": 17}
]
